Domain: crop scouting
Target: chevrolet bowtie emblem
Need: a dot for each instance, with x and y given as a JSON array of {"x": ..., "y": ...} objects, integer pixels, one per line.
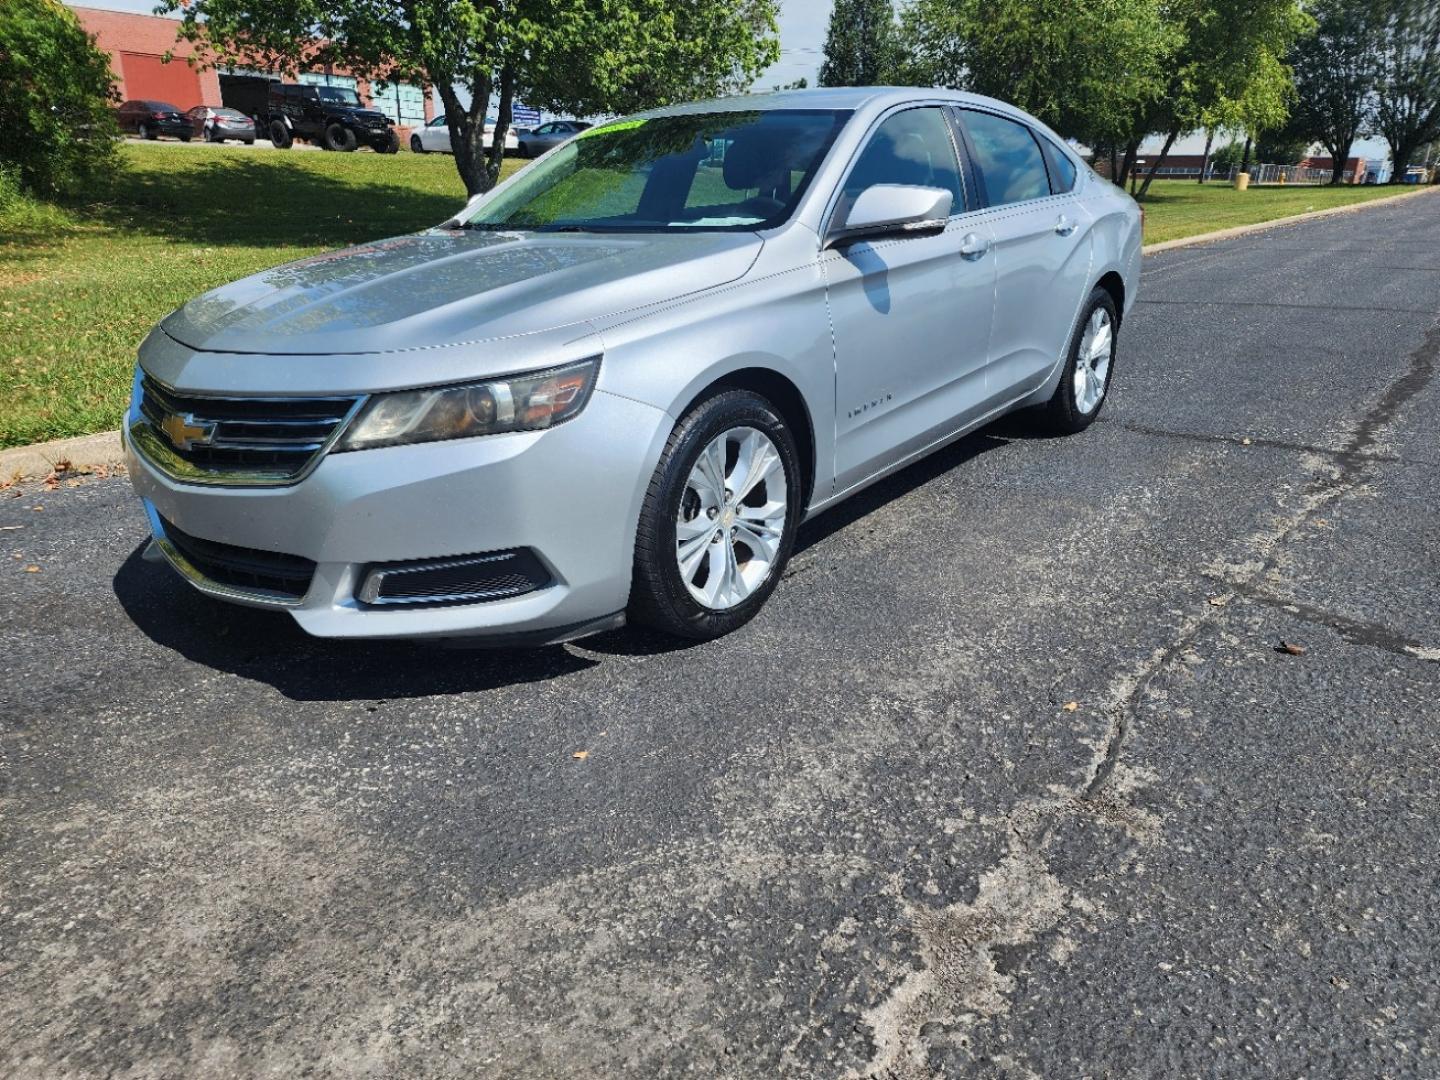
[{"x": 185, "y": 432}]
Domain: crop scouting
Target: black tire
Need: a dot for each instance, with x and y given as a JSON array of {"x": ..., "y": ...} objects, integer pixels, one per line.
[
  {"x": 416, "y": 146},
  {"x": 280, "y": 136},
  {"x": 391, "y": 145},
  {"x": 659, "y": 596},
  {"x": 249, "y": 142},
  {"x": 1063, "y": 414},
  {"x": 339, "y": 137},
  {"x": 146, "y": 132},
  {"x": 184, "y": 138},
  {"x": 525, "y": 151}
]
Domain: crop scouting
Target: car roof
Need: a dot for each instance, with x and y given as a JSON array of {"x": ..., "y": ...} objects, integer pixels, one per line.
[{"x": 831, "y": 97}]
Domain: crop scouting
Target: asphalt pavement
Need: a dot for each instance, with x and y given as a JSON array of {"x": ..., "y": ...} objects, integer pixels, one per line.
[{"x": 1012, "y": 778}]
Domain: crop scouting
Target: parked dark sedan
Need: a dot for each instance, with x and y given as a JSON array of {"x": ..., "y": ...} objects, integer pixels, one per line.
[
  {"x": 151, "y": 119},
  {"x": 536, "y": 141},
  {"x": 217, "y": 125}
]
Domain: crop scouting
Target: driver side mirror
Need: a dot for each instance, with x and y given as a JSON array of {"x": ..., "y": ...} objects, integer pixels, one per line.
[{"x": 894, "y": 210}]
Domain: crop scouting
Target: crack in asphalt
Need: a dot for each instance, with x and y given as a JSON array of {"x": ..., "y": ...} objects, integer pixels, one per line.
[
  {"x": 962, "y": 979},
  {"x": 1356, "y": 631},
  {"x": 1368, "y": 309},
  {"x": 1351, "y": 460},
  {"x": 1248, "y": 441}
]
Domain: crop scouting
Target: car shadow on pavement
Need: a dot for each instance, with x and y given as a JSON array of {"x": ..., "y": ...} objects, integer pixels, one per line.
[{"x": 268, "y": 647}]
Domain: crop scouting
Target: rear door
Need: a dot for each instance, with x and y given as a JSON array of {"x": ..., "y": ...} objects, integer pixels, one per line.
[
  {"x": 1041, "y": 253},
  {"x": 910, "y": 315}
]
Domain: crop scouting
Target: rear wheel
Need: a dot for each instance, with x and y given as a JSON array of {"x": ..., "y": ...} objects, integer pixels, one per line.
[
  {"x": 145, "y": 131},
  {"x": 1085, "y": 380},
  {"x": 280, "y": 136},
  {"x": 339, "y": 137},
  {"x": 719, "y": 519},
  {"x": 416, "y": 146},
  {"x": 185, "y": 138},
  {"x": 391, "y": 144}
]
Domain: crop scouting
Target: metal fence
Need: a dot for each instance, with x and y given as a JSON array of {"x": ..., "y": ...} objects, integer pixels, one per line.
[{"x": 1285, "y": 174}]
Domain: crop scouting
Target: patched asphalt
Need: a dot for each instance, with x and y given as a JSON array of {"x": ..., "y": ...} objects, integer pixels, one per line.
[{"x": 1010, "y": 778}]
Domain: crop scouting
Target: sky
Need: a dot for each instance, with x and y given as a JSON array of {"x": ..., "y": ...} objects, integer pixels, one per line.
[{"x": 802, "y": 39}]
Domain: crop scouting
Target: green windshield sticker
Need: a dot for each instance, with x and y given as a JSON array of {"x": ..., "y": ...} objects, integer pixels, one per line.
[{"x": 623, "y": 125}]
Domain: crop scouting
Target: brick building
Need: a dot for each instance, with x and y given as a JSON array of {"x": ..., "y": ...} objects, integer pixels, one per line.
[
  {"x": 1187, "y": 166},
  {"x": 137, "y": 45}
]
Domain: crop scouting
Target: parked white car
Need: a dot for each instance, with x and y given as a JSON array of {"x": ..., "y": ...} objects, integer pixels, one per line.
[{"x": 434, "y": 137}]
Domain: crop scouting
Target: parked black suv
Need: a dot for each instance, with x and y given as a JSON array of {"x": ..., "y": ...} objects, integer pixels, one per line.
[{"x": 329, "y": 115}]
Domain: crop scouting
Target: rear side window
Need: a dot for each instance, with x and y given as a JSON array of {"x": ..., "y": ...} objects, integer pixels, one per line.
[
  {"x": 911, "y": 147},
  {"x": 1009, "y": 159}
]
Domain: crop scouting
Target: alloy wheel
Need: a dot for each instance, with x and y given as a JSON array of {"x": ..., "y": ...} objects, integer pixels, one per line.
[
  {"x": 732, "y": 518},
  {"x": 1092, "y": 365}
]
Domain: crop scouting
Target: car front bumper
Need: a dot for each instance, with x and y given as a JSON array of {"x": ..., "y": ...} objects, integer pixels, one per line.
[{"x": 571, "y": 494}]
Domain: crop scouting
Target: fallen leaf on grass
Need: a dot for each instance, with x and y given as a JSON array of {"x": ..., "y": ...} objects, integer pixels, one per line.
[
  {"x": 1289, "y": 648},
  {"x": 1070, "y": 706},
  {"x": 1219, "y": 601},
  {"x": 580, "y": 755},
  {"x": 1245, "y": 441}
]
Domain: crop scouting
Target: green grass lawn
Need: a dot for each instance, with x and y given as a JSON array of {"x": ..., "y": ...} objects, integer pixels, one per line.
[
  {"x": 1180, "y": 208},
  {"x": 80, "y": 286}
]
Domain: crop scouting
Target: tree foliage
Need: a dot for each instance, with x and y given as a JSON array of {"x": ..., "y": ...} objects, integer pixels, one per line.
[
  {"x": 1336, "y": 72},
  {"x": 1407, "y": 106},
  {"x": 1085, "y": 67},
  {"x": 575, "y": 56},
  {"x": 861, "y": 45},
  {"x": 57, "y": 131}
]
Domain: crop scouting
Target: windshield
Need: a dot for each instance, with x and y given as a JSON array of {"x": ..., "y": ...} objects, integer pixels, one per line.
[
  {"x": 340, "y": 95},
  {"x": 724, "y": 170}
]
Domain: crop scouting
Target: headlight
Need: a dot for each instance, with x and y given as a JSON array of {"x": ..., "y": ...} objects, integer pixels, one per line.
[{"x": 539, "y": 399}]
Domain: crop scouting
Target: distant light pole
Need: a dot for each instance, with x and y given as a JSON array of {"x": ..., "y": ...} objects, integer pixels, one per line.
[{"x": 1135, "y": 173}]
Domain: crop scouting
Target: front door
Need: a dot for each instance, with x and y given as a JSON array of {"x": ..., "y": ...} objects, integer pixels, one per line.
[{"x": 910, "y": 315}]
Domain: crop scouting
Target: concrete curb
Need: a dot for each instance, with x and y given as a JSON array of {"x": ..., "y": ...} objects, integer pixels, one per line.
[
  {"x": 83, "y": 453},
  {"x": 104, "y": 450},
  {"x": 1263, "y": 226}
]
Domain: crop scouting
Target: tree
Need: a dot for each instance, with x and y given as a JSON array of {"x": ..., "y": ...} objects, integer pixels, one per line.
[
  {"x": 576, "y": 56},
  {"x": 1085, "y": 67},
  {"x": 1407, "y": 107},
  {"x": 57, "y": 130},
  {"x": 1336, "y": 72},
  {"x": 1228, "y": 66},
  {"x": 1282, "y": 146},
  {"x": 860, "y": 45}
]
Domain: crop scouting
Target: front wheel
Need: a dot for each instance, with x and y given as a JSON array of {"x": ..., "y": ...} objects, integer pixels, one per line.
[
  {"x": 280, "y": 136},
  {"x": 391, "y": 145},
  {"x": 339, "y": 137},
  {"x": 719, "y": 519},
  {"x": 1085, "y": 380},
  {"x": 145, "y": 131},
  {"x": 416, "y": 146}
]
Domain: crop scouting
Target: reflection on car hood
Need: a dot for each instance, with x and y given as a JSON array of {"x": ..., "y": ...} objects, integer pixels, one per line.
[{"x": 447, "y": 287}]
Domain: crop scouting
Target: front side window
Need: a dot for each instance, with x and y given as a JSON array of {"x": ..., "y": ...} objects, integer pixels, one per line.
[
  {"x": 439, "y": 121},
  {"x": 722, "y": 170},
  {"x": 338, "y": 95},
  {"x": 1008, "y": 157},
  {"x": 910, "y": 147}
]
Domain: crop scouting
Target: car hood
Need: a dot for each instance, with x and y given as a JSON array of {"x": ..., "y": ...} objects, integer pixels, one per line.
[{"x": 449, "y": 287}]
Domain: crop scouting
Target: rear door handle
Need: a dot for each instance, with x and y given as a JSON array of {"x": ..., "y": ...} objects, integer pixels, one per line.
[
  {"x": 974, "y": 246},
  {"x": 1064, "y": 226}
]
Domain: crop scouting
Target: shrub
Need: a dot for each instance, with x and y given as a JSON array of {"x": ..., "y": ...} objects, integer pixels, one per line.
[{"x": 57, "y": 131}]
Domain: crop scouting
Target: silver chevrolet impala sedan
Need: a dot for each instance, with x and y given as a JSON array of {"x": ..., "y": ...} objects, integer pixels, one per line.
[{"x": 614, "y": 386}]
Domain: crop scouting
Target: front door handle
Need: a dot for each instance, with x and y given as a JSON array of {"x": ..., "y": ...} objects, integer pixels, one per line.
[
  {"x": 974, "y": 246},
  {"x": 1064, "y": 226}
]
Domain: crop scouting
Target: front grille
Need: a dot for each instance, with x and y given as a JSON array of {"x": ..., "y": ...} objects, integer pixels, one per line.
[
  {"x": 249, "y": 569},
  {"x": 470, "y": 579},
  {"x": 237, "y": 440}
]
